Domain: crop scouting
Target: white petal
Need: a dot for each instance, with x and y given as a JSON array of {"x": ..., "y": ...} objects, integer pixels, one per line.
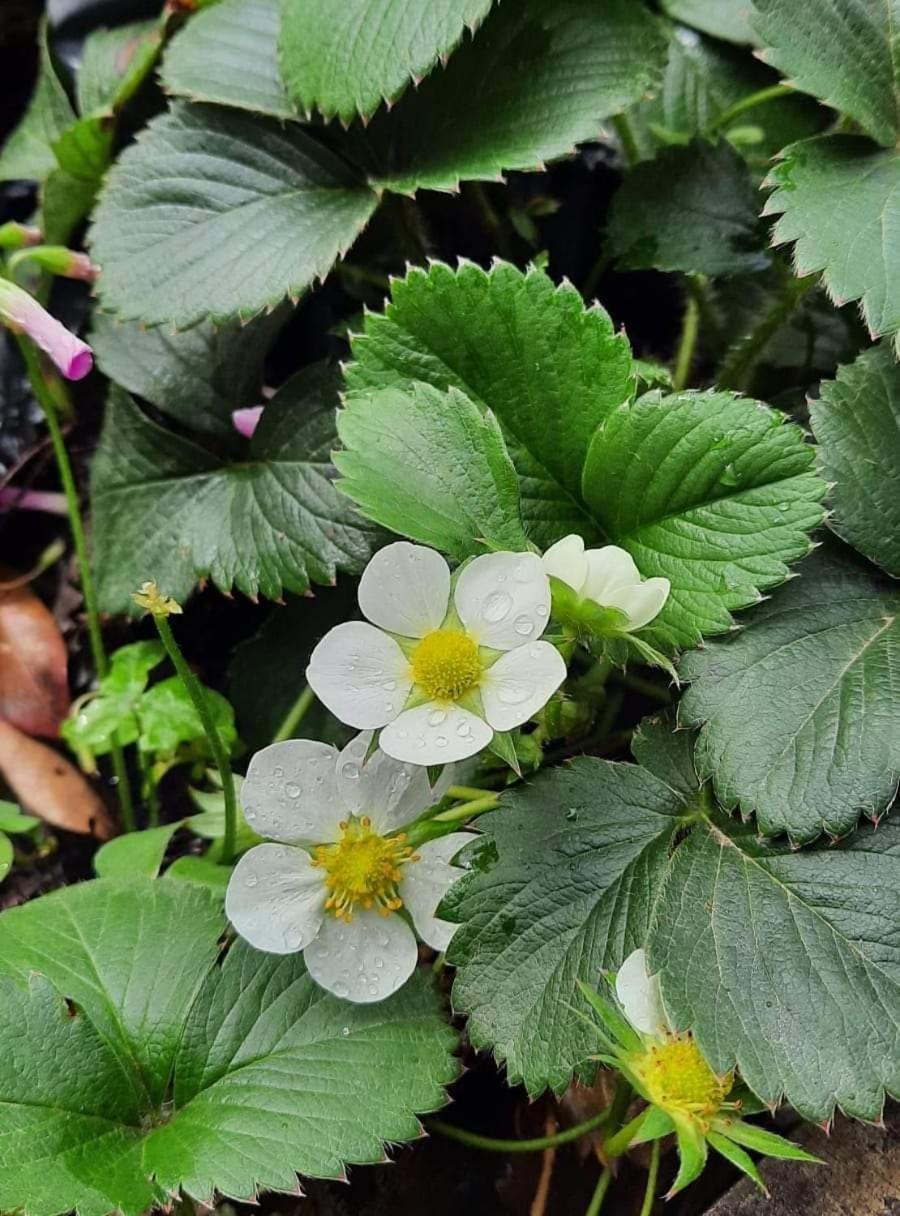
[
  {"x": 290, "y": 792},
  {"x": 503, "y": 599},
  {"x": 276, "y": 898},
  {"x": 642, "y": 603},
  {"x": 405, "y": 589},
  {"x": 365, "y": 961},
  {"x": 520, "y": 683},
  {"x": 435, "y": 734},
  {"x": 360, "y": 674},
  {"x": 389, "y": 791},
  {"x": 639, "y": 995},
  {"x": 609, "y": 568},
  {"x": 426, "y": 882},
  {"x": 566, "y": 561}
]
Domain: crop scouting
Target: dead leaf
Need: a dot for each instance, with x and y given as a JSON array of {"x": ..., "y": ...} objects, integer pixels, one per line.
[
  {"x": 34, "y": 685},
  {"x": 47, "y": 785}
]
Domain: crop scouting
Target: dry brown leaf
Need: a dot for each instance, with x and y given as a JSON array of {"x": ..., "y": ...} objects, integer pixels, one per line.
[
  {"x": 48, "y": 786},
  {"x": 34, "y": 686}
]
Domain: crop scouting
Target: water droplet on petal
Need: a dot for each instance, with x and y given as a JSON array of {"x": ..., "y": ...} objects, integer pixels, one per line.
[
  {"x": 464, "y": 730},
  {"x": 389, "y": 685},
  {"x": 251, "y": 880},
  {"x": 292, "y": 789},
  {"x": 441, "y": 741},
  {"x": 350, "y": 770},
  {"x": 345, "y": 1030},
  {"x": 278, "y": 772},
  {"x": 514, "y": 692},
  {"x": 524, "y": 626},
  {"x": 497, "y": 606},
  {"x": 373, "y": 990},
  {"x": 420, "y": 743},
  {"x": 293, "y": 938},
  {"x": 340, "y": 989},
  {"x": 436, "y": 717},
  {"x": 542, "y": 610}
]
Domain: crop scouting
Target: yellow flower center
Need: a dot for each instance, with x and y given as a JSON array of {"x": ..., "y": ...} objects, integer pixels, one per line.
[
  {"x": 446, "y": 664},
  {"x": 677, "y": 1077},
  {"x": 363, "y": 868}
]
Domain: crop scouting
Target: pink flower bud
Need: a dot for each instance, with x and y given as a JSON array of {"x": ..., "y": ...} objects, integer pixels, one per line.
[
  {"x": 245, "y": 420},
  {"x": 21, "y": 313}
]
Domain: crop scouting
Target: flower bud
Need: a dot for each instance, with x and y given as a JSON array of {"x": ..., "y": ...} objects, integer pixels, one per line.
[{"x": 21, "y": 313}]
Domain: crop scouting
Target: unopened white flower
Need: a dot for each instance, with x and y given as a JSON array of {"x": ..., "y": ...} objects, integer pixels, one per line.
[
  {"x": 440, "y": 672},
  {"x": 341, "y": 868},
  {"x": 609, "y": 577}
]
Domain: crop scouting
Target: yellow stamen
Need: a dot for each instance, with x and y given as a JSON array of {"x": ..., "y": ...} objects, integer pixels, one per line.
[
  {"x": 446, "y": 664},
  {"x": 363, "y": 868},
  {"x": 677, "y": 1077}
]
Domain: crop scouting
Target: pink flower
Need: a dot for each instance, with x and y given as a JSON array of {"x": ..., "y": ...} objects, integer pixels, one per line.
[
  {"x": 245, "y": 420},
  {"x": 21, "y": 313}
]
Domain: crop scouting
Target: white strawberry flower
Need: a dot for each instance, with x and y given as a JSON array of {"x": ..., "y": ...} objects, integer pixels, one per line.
[
  {"x": 340, "y": 867},
  {"x": 609, "y": 577},
  {"x": 440, "y": 665}
]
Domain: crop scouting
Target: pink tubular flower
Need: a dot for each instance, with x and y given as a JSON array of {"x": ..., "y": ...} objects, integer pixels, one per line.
[{"x": 21, "y": 313}]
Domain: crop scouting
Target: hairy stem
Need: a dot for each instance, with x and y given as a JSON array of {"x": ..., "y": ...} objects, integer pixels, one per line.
[
  {"x": 535, "y": 1145},
  {"x": 295, "y": 715},
  {"x": 738, "y": 365},
  {"x": 727, "y": 117},
  {"x": 47, "y": 400},
  {"x": 687, "y": 343},
  {"x": 198, "y": 697},
  {"x": 652, "y": 1174}
]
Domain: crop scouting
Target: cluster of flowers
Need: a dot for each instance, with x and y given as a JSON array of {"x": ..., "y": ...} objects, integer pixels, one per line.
[{"x": 439, "y": 664}]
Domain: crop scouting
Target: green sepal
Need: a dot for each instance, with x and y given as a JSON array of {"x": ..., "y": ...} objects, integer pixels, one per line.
[
  {"x": 735, "y": 1154},
  {"x": 692, "y": 1152},
  {"x": 762, "y": 1141},
  {"x": 656, "y": 1125}
]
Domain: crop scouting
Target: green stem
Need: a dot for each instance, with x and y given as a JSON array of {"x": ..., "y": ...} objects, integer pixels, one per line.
[
  {"x": 196, "y": 693},
  {"x": 627, "y": 139},
  {"x": 468, "y": 810},
  {"x": 619, "y": 1144},
  {"x": 295, "y": 715},
  {"x": 48, "y": 403},
  {"x": 599, "y": 1192},
  {"x": 698, "y": 287},
  {"x": 492, "y": 221},
  {"x": 687, "y": 344},
  {"x": 652, "y": 1174},
  {"x": 727, "y": 117},
  {"x": 361, "y": 274},
  {"x": 465, "y": 793},
  {"x": 536, "y": 1145},
  {"x": 741, "y": 359}
]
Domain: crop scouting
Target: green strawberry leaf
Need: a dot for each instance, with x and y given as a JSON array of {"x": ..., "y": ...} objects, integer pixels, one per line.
[
  {"x": 845, "y": 52},
  {"x": 347, "y": 61},
  {"x": 712, "y": 491},
  {"x": 856, "y": 420},
  {"x": 838, "y": 199},
  {"x": 722, "y": 18},
  {"x": 28, "y": 153},
  {"x": 770, "y": 956},
  {"x": 198, "y": 376},
  {"x": 168, "y": 718},
  {"x": 709, "y": 183},
  {"x": 228, "y": 53},
  {"x": 138, "y": 1068},
  {"x": 549, "y": 369},
  {"x": 797, "y": 711},
  {"x": 435, "y": 458},
  {"x": 83, "y": 153},
  {"x": 138, "y": 853},
  {"x": 252, "y": 184},
  {"x": 114, "y": 63},
  {"x": 270, "y": 522},
  {"x": 535, "y": 81},
  {"x": 563, "y": 884}
]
